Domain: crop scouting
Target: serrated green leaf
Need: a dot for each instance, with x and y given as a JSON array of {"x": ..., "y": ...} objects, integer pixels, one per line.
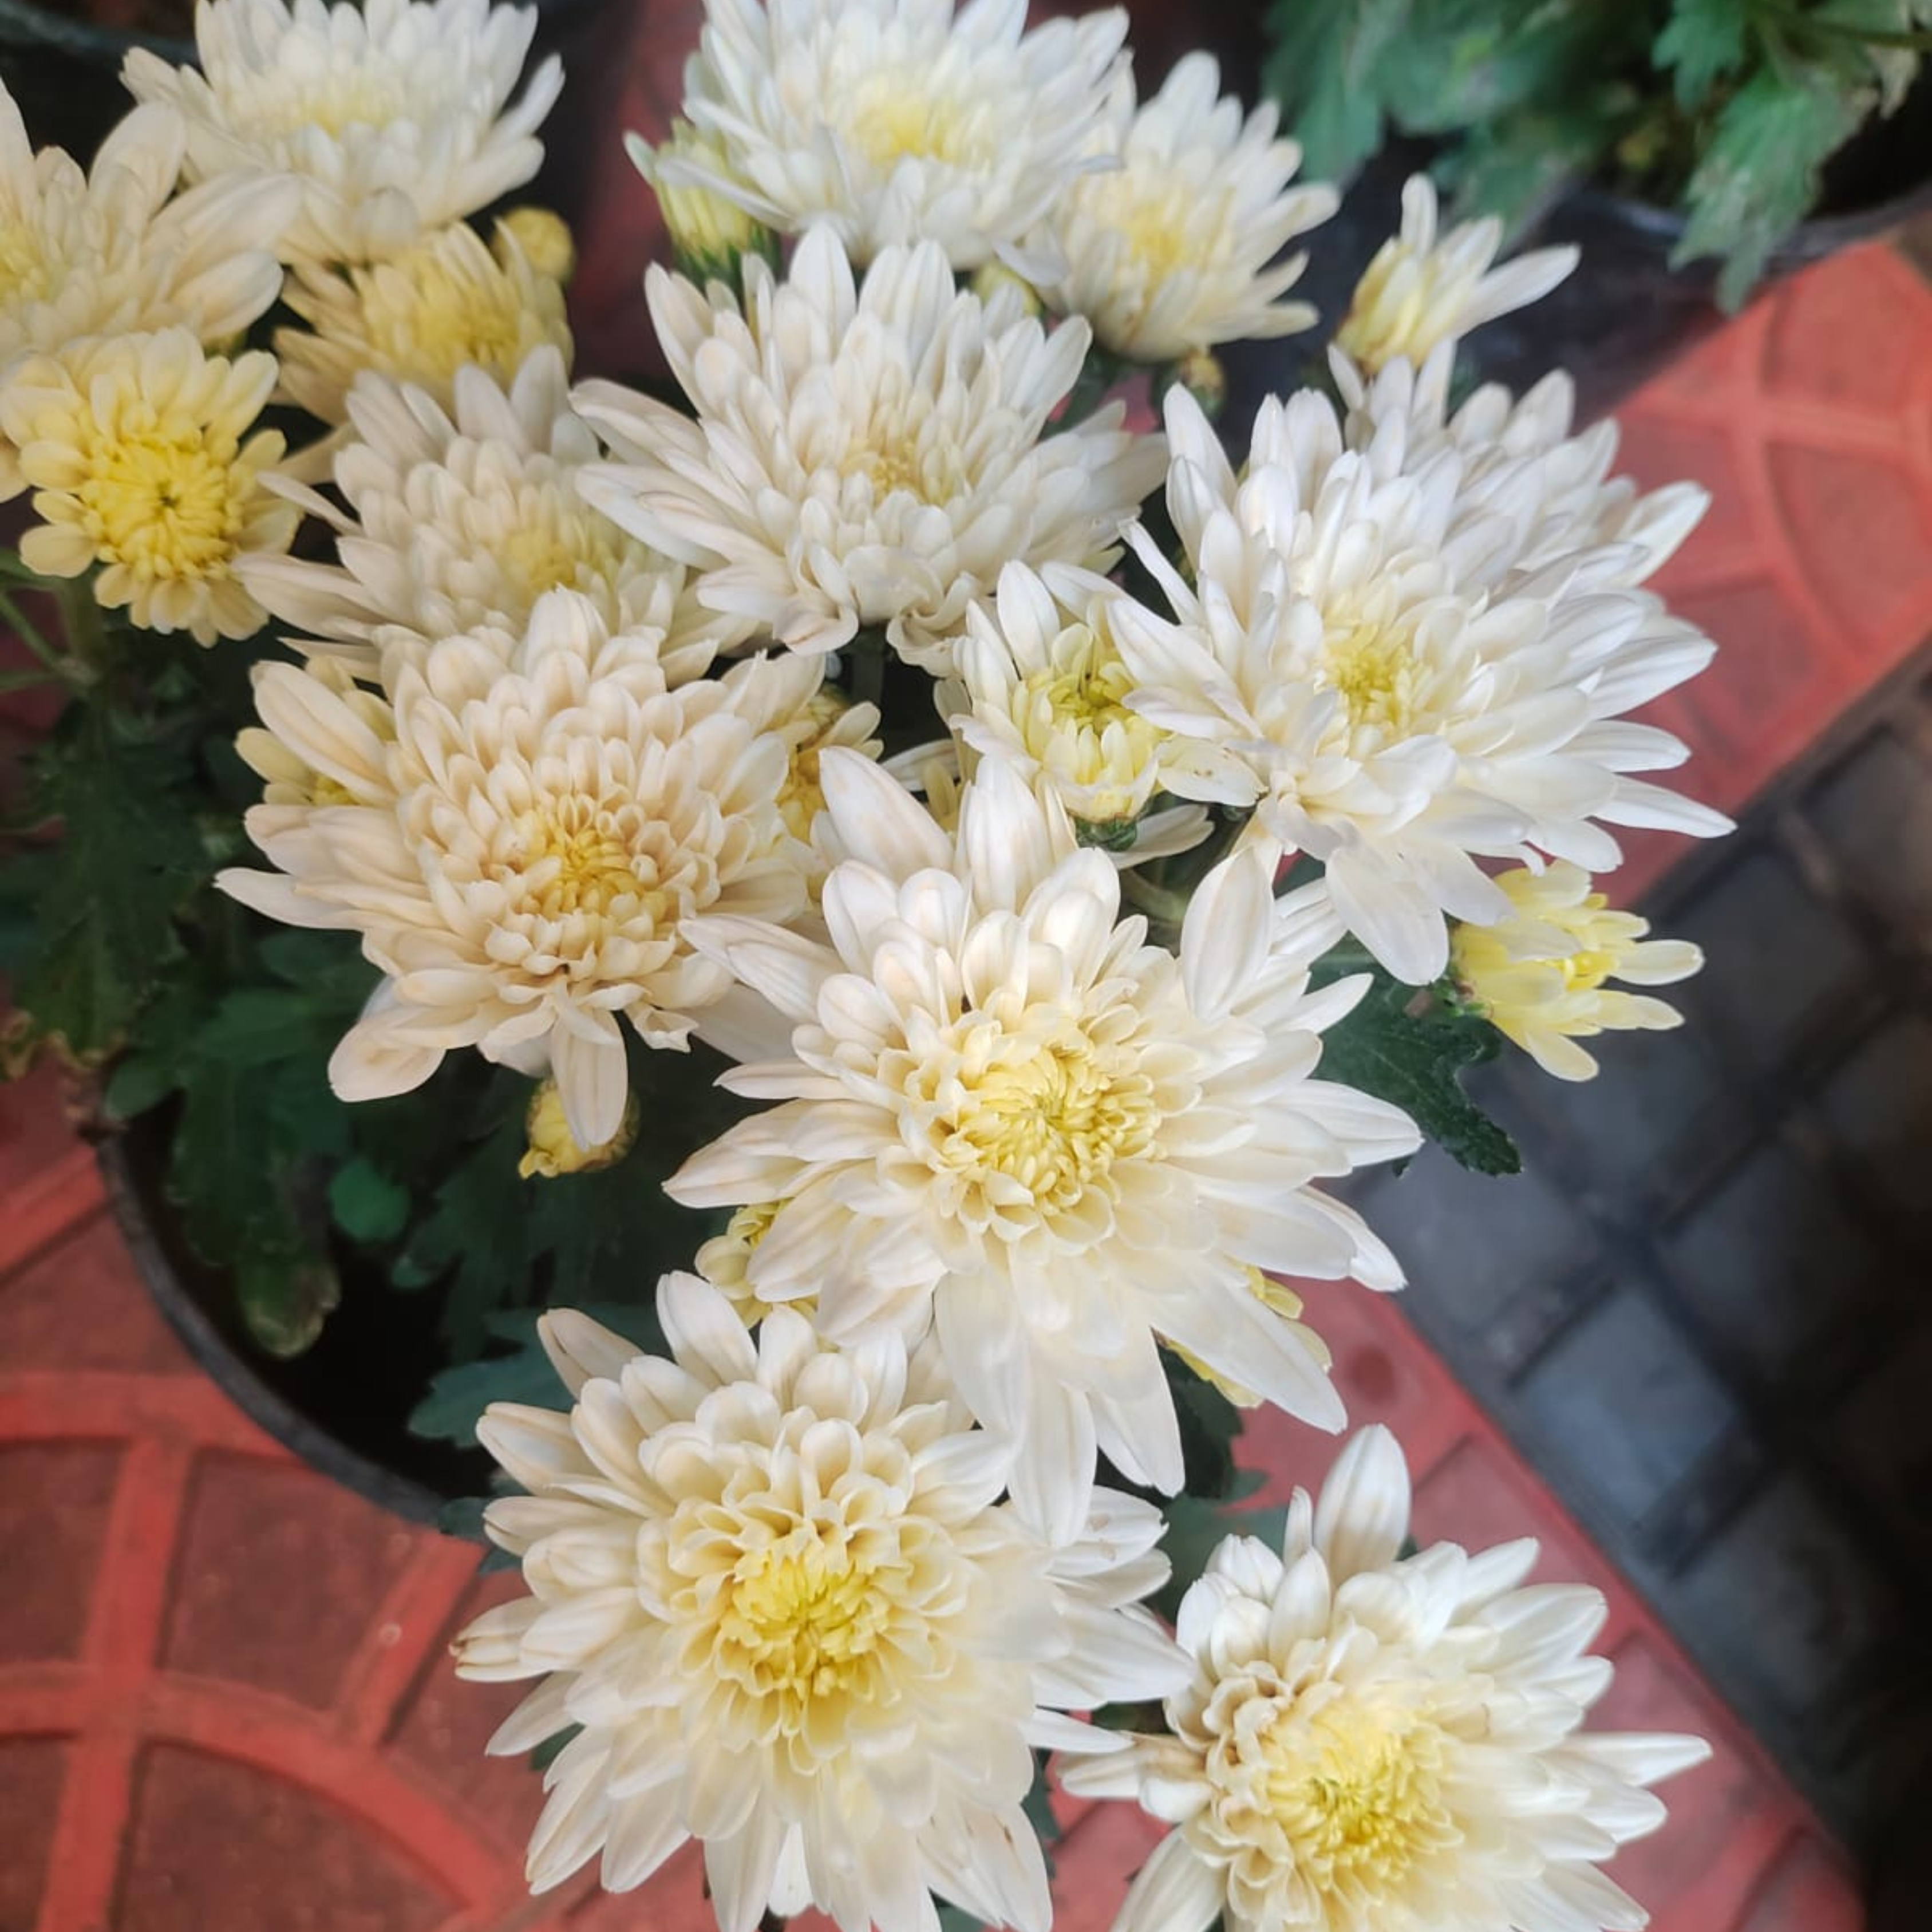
[
  {"x": 368, "y": 1204},
  {"x": 1702, "y": 41},
  {"x": 1321, "y": 68},
  {"x": 522, "y": 1373},
  {"x": 1760, "y": 175},
  {"x": 1415, "y": 1061},
  {"x": 127, "y": 860}
]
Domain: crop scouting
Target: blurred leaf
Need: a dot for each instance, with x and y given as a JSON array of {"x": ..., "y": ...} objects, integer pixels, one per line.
[
  {"x": 368, "y": 1204},
  {"x": 1703, "y": 40},
  {"x": 1322, "y": 69},
  {"x": 548, "y": 1753},
  {"x": 285, "y": 1298},
  {"x": 1760, "y": 175}
]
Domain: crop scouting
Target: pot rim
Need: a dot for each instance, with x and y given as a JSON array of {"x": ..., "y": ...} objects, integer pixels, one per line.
[{"x": 229, "y": 1369}]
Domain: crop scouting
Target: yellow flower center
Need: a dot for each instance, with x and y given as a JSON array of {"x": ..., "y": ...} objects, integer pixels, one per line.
[
  {"x": 575, "y": 862},
  {"x": 802, "y": 1618},
  {"x": 1585, "y": 970},
  {"x": 336, "y": 98},
  {"x": 23, "y": 262},
  {"x": 1373, "y": 666},
  {"x": 896, "y": 119},
  {"x": 559, "y": 548},
  {"x": 1055, "y": 1121},
  {"x": 752, "y": 1222},
  {"x": 428, "y": 323},
  {"x": 1088, "y": 699},
  {"x": 167, "y": 501},
  {"x": 1356, "y": 1789},
  {"x": 1165, "y": 234},
  {"x": 891, "y": 460}
]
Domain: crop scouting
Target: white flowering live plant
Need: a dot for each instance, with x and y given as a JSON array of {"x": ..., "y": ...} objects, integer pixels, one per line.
[{"x": 900, "y": 867}]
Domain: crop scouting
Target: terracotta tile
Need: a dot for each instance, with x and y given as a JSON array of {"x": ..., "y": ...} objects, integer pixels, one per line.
[
  {"x": 31, "y": 1771},
  {"x": 250, "y": 1528},
  {"x": 1658, "y": 448},
  {"x": 1479, "y": 1496},
  {"x": 1709, "y": 1805},
  {"x": 1808, "y": 1891},
  {"x": 81, "y": 1307},
  {"x": 214, "y": 1843},
  {"x": 1093, "y": 1868},
  {"x": 1858, "y": 530},
  {"x": 444, "y": 1724},
  {"x": 55, "y": 1497},
  {"x": 33, "y": 1132},
  {"x": 1852, "y": 331},
  {"x": 1772, "y": 685}
]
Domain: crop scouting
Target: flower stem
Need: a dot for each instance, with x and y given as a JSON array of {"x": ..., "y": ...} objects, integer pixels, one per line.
[{"x": 81, "y": 622}]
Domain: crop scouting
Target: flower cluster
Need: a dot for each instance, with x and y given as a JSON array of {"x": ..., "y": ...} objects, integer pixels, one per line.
[{"x": 1224, "y": 788}]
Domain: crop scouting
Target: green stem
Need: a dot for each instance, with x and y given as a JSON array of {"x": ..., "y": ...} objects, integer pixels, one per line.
[
  {"x": 30, "y": 634},
  {"x": 81, "y": 621}
]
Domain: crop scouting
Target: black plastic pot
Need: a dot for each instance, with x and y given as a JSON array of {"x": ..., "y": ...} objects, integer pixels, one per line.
[
  {"x": 341, "y": 1406},
  {"x": 65, "y": 74}
]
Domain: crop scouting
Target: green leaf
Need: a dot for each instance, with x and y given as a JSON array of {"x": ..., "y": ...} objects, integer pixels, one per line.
[
  {"x": 1515, "y": 165},
  {"x": 286, "y": 1298},
  {"x": 1703, "y": 41},
  {"x": 1209, "y": 1424},
  {"x": 458, "y": 1396},
  {"x": 127, "y": 860},
  {"x": 368, "y": 1204},
  {"x": 1415, "y": 1061},
  {"x": 1760, "y": 176},
  {"x": 1322, "y": 69}
]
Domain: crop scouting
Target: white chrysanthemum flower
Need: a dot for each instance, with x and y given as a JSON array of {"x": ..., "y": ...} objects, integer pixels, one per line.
[
  {"x": 1423, "y": 290},
  {"x": 775, "y": 1585},
  {"x": 523, "y": 849},
  {"x": 1541, "y": 976},
  {"x": 1001, "y": 1102},
  {"x": 1174, "y": 249},
  {"x": 1040, "y": 685},
  {"x": 104, "y": 251},
  {"x": 1378, "y": 1744},
  {"x": 1517, "y": 457},
  {"x": 891, "y": 122},
  {"x": 459, "y": 519},
  {"x": 864, "y": 457},
  {"x": 392, "y": 114},
  {"x": 1357, "y": 656},
  {"x": 144, "y": 458},
  {"x": 449, "y": 303}
]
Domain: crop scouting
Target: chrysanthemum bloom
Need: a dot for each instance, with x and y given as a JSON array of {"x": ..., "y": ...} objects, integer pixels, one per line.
[
  {"x": 1174, "y": 249},
  {"x": 144, "y": 458},
  {"x": 891, "y": 122},
  {"x": 448, "y": 303},
  {"x": 775, "y": 1584},
  {"x": 1357, "y": 656},
  {"x": 1541, "y": 977},
  {"x": 287, "y": 779},
  {"x": 863, "y": 457},
  {"x": 1002, "y": 1104},
  {"x": 1041, "y": 685},
  {"x": 1375, "y": 1744},
  {"x": 828, "y": 721},
  {"x": 1518, "y": 458},
  {"x": 522, "y": 850},
  {"x": 459, "y": 519},
  {"x": 1423, "y": 289},
  {"x": 103, "y": 251},
  {"x": 709, "y": 233},
  {"x": 391, "y": 114}
]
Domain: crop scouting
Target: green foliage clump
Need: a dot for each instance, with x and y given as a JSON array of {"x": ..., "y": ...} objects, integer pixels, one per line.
[{"x": 1728, "y": 110}]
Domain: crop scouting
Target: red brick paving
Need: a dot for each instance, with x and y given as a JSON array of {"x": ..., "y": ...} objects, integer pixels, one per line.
[{"x": 223, "y": 1695}]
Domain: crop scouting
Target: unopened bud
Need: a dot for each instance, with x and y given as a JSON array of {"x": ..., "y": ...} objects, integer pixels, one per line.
[{"x": 553, "y": 1150}]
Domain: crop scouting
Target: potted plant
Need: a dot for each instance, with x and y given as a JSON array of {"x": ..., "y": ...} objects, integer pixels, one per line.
[
  {"x": 1690, "y": 148},
  {"x": 836, "y": 921}
]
